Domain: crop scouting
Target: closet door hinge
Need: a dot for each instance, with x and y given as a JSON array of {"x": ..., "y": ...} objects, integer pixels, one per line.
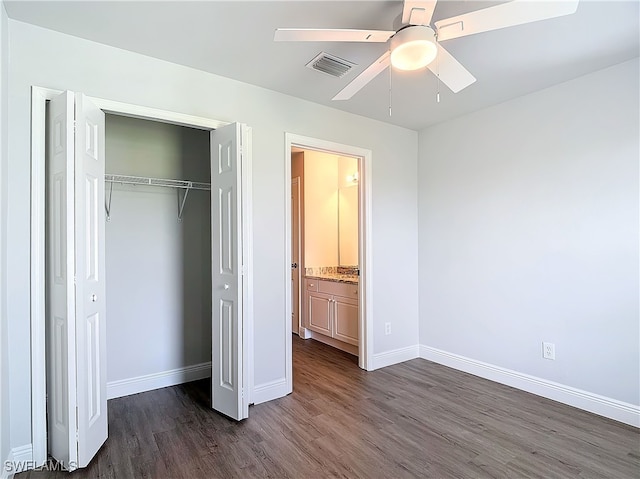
[{"x": 75, "y": 126}]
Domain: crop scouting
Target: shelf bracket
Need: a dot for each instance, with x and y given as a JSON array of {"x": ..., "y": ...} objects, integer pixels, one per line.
[
  {"x": 107, "y": 205},
  {"x": 181, "y": 201}
]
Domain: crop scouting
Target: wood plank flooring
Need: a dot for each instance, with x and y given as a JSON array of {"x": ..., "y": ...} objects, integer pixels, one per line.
[{"x": 416, "y": 419}]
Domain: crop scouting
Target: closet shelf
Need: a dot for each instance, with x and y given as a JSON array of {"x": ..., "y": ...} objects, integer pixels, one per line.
[
  {"x": 138, "y": 180},
  {"x": 184, "y": 185}
]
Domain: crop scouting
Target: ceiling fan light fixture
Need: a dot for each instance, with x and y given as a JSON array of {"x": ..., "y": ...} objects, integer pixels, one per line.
[{"x": 413, "y": 48}]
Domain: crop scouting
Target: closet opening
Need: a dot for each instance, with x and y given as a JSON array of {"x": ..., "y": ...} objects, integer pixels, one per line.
[
  {"x": 157, "y": 254},
  {"x": 179, "y": 292},
  {"x": 157, "y": 248}
]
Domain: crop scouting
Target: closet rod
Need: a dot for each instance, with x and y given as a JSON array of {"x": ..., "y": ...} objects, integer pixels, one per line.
[{"x": 144, "y": 181}]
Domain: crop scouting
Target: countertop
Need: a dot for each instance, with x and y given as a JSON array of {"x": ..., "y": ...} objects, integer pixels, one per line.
[{"x": 337, "y": 277}]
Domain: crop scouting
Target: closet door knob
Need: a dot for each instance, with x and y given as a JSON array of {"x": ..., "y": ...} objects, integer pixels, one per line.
[{"x": 226, "y": 286}]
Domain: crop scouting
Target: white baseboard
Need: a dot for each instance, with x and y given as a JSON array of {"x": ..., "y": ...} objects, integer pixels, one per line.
[
  {"x": 601, "y": 405},
  {"x": 149, "y": 382},
  {"x": 269, "y": 391},
  {"x": 20, "y": 459},
  {"x": 389, "y": 358}
]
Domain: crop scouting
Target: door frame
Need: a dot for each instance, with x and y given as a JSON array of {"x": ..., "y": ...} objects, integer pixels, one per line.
[
  {"x": 365, "y": 313},
  {"x": 39, "y": 98}
]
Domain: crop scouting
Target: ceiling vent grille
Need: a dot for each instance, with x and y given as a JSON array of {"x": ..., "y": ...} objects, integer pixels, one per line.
[{"x": 330, "y": 64}]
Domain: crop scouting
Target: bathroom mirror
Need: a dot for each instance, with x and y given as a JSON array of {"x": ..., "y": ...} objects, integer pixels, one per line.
[{"x": 348, "y": 225}]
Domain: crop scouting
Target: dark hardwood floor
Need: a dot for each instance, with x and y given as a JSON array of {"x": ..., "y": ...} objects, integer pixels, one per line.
[{"x": 415, "y": 419}]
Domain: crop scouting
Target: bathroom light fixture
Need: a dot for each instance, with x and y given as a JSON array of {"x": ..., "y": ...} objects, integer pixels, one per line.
[{"x": 413, "y": 47}]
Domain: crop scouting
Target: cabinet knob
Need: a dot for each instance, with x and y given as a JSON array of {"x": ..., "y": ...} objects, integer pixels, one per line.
[{"x": 226, "y": 286}]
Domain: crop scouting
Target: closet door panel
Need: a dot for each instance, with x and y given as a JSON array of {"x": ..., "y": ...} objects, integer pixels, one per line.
[
  {"x": 226, "y": 254},
  {"x": 60, "y": 314},
  {"x": 90, "y": 282}
]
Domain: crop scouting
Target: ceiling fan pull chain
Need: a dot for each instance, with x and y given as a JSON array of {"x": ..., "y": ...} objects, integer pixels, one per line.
[
  {"x": 438, "y": 75},
  {"x": 390, "y": 96}
]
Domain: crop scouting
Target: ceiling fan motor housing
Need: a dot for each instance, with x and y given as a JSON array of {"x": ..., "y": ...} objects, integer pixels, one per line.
[{"x": 413, "y": 47}]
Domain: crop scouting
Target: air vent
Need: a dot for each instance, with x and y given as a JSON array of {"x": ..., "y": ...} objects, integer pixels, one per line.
[{"x": 330, "y": 64}]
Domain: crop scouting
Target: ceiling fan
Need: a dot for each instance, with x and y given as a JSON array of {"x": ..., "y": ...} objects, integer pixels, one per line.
[{"x": 417, "y": 43}]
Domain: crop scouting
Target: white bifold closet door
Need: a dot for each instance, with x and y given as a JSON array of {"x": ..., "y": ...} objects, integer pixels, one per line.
[
  {"x": 76, "y": 339},
  {"x": 227, "y": 235}
]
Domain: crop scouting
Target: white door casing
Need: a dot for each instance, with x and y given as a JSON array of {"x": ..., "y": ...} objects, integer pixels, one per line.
[
  {"x": 365, "y": 235},
  {"x": 227, "y": 271},
  {"x": 76, "y": 364}
]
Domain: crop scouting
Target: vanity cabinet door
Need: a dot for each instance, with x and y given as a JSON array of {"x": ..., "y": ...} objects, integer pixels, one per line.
[
  {"x": 320, "y": 313},
  {"x": 346, "y": 319}
]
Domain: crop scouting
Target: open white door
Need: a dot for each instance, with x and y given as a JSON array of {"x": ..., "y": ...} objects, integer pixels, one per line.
[
  {"x": 61, "y": 328},
  {"x": 295, "y": 255},
  {"x": 227, "y": 270},
  {"x": 76, "y": 334},
  {"x": 91, "y": 333}
]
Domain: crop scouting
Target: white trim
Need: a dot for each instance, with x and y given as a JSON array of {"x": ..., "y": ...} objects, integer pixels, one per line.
[
  {"x": 389, "y": 358},
  {"x": 601, "y": 405},
  {"x": 247, "y": 273},
  {"x": 39, "y": 97},
  {"x": 271, "y": 390},
  {"x": 20, "y": 459},
  {"x": 365, "y": 246},
  {"x": 149, "y": 382},
  {"x": 155, "y": 114}
]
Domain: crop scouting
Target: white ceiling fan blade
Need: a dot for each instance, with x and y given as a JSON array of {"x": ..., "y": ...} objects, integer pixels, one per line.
[
  {"x": 450, "y": 71},
  {"x": 504, "y": 15},
  {"x": 365, "y": 77},
  {"x": 331, "y": 35},
  {"x": 418, "y": 12}
]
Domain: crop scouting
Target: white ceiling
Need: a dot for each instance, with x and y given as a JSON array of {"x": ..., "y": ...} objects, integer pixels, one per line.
[{"x": 235, "y": 39}]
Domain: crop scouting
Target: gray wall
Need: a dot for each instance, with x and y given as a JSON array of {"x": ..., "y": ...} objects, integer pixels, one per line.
[
  {"x": 5, "y": 415},
  {"x": 528, "y": 232},
  {"x": 50, "y": 59},
  {"x": 158, "y": 269}
]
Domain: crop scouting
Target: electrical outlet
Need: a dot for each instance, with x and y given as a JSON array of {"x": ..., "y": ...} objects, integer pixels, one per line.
[
  {"x": 548, "y": 350},
  {"x": 387, "y": 328}
]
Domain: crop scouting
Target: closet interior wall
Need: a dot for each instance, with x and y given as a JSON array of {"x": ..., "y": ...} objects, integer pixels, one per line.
[{"x": 158, "y": 269}]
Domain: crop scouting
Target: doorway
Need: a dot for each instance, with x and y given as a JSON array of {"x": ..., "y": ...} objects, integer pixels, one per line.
[
  {"x": 242, "y": 364},
  {"x": 364, "y": 313}
]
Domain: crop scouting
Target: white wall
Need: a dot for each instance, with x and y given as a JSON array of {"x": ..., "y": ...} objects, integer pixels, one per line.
[
  {"x": 158, "y": 269},
  {"x": 5, "y": 414},
  {"x": 46, "y": 58},
  {"x": 528, "y": 215},
  {"x": 320, "y": 209}
]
